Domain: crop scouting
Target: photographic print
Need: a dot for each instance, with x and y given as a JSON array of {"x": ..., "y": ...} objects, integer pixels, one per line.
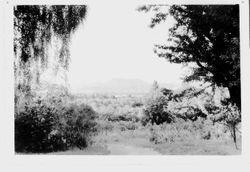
[{"x": 148, "y": 79}]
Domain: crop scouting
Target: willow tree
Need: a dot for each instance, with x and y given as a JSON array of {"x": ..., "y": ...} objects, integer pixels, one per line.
[
  {"x": 34, "y": 28},
  {"x": 204, "y": 35}
]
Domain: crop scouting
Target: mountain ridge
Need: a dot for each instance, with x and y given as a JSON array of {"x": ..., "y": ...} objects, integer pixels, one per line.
[{"x": 122, "y": 86}]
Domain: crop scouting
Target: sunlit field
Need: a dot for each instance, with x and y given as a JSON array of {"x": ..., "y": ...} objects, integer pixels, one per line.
[
  {"x": 117, "y": 125},
  {"x": 121, "y": 131}
]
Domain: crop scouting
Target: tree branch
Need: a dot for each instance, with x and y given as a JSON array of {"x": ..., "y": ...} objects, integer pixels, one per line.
[{"x": 201, "y": 66}]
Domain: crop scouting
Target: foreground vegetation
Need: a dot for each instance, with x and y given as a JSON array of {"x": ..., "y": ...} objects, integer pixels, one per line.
[
  {"x": 187, "y": 132},
  {"x": 98, "y": 123},
  {"x": 53, "y": 124}
]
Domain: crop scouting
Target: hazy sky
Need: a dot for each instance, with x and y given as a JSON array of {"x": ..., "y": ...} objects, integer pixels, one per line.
[{"x": 116, "y": 42}]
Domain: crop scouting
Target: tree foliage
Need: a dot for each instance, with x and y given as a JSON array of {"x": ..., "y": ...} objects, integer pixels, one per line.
[
  {"x": 35, "y": 25},
  {"x": 207, "y": 36},
  {"x": 34, "y": 28},
  {"x": 156, "y": 106}
]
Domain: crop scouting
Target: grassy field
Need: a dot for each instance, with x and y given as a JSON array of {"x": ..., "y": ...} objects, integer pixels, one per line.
[
  {"x": 128, "y": 143},
  {"x": 121, "y": 132}
]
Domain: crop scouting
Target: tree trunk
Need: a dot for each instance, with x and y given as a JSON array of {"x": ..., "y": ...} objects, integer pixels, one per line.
[
  {"x": 234, "y": 135},
  {"x": 235, "y": 95}
]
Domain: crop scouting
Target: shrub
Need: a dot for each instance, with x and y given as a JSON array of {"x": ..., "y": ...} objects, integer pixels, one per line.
[
  {"x": 123, "y": 117},
  {"x": 46, "y": 125},
  {"x": 181, "y": 130},
  {"x": 230, "y": 116},
  {"x": 77, "y": 125},
  {"x": 33, "y": 126},
  {"x": 156, "y": 112},
  {"x": 137, "y": 104}
]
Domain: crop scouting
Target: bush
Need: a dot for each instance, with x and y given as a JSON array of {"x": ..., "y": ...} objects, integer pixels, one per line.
[
  {"x": 33, "y": 126},
  {"x": 123, "y": 117},
  {"x": 230, "y": 116},
  {"x": 137, "y": 104},
  {"x": 181, "y": 130},
  {"x": 156, "y": 112},
  {"x": 46, "y": 125},
  {"x": 77, "y": 125}
]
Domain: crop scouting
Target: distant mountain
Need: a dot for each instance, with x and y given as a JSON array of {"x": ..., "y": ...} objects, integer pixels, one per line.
[{"x": 121, "y": 86}]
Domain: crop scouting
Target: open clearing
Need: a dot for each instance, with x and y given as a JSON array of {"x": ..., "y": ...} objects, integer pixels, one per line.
[{"x": 124, "y": 145}]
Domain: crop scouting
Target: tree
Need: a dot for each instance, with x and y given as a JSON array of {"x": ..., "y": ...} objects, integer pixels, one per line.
[
  {"x": 156, "y": 111},
  {"x": 155, "y": 86},
  {"x": 156, "y": 106},
  {"x": 34, "y": 27},
  {"x": 207, "y": 36}
]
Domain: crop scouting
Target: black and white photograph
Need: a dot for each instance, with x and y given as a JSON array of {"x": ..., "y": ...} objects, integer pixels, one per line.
[
  {"x": 125, "y": 82},
  {"x": 113, "y": 83},
  {"x": 149, "y": 79}
]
